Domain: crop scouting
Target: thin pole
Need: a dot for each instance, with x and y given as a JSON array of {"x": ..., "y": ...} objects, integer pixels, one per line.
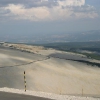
[{"x": 25, "y": 81}]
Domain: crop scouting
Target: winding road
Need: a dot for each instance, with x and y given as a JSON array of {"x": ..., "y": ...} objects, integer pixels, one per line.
[{"x": 17, "y": 53}]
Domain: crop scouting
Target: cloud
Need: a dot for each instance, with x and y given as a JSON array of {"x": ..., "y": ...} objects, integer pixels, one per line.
[
  {"x": 28, "y": 3},
  {"x": 71, "y": 2},
  {"x": 34, "y": 14},
  {"x": 40, "y": 10}
]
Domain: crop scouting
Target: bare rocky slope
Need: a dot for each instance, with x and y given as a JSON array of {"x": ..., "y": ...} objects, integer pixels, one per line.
[{"x": 47, "y": 74}]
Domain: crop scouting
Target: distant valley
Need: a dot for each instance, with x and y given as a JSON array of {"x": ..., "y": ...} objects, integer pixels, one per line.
[{"x": 84, "y": 36}]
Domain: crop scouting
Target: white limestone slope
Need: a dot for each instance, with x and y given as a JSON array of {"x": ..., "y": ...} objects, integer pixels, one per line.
[
  {"x": 48, "y": 75},
  {"x": 47, "y": 95}
]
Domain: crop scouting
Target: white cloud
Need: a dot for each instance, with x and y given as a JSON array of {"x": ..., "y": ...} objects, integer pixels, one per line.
[
  {"x": 72, "y": 3},
  {"x": 64, "y": 10},
  {"x": 20, "y": 12}
]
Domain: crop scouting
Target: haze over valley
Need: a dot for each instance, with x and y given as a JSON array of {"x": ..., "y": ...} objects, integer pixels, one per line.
[{"x": 84, "y": 36}]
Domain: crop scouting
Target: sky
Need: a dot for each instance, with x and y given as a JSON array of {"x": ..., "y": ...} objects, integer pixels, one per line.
[{"x": 29, "y": 17}]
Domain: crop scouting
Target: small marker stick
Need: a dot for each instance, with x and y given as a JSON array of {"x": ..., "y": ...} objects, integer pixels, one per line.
[{"x": 25, "y": 81}]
